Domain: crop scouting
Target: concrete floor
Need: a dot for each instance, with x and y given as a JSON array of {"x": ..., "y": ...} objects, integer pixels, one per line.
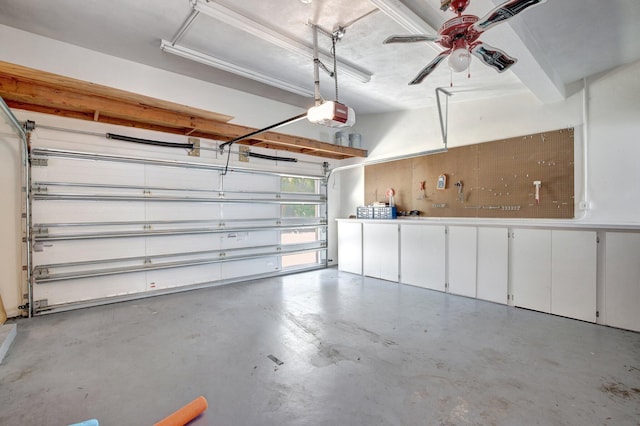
[{"x": 356, "y": 351}]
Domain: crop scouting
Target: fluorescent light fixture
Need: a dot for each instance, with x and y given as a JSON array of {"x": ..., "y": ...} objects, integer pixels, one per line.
[
  {"x": 332, "y": 114},
  {"x": 237, "y": 20},
  {"x": 211, "y": 61},
  {"x": 405, "y": 17}
]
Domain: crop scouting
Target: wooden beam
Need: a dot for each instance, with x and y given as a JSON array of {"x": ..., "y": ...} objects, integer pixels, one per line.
[
  {"x": 58, "y": 81},
  {"x": 33, "y": 90}
]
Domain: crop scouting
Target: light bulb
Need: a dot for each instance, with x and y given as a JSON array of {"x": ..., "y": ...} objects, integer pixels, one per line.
[{"x": 459, "y": 60}]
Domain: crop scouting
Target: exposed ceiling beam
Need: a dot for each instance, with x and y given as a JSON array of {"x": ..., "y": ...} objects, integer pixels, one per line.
[
  {"x": 531, "y": 69},
  {"x": 402, "y": 15},
  {"x": 34, "y": 90}
]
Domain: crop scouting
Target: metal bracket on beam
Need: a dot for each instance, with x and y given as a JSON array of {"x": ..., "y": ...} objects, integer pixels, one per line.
[
  {"x": 195, "y": 151},
  {"x": 243, "y": 154}
]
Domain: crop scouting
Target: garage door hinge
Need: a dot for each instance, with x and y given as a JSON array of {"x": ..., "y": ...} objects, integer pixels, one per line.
[
  {"x": 597, "y": 314},
  {"x": 40, "y": 230},
  {"x": 42, "y": 162},
  {"x": 222, "y": 255},
  {"x": 41, "y": 272},
  {"x": 39, "y": 188},
  {"x": 42, "y": 303}
]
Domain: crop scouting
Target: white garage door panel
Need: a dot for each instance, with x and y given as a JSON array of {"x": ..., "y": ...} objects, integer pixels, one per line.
[
  {"x": 265, "y": 265},
  {"x": 174, "y": 177},
  {"x": 182, "y": 244},
  {"x": 249, "y": 211},
  {"x": 162, "y": 211},
  {"x": 85, "y": 211},
  {"x": 235, "y": 240},
  {"x": 84, "y": 289},
  {"x": 177, "y": 277},
  {"x": 622, "y": 280},
  {"x": 73, "y": 251},
  {"x": 244, "y": 182},
  {"x": 91, "y": 172}
]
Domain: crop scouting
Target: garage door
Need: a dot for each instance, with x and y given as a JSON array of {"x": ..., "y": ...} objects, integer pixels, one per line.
[{"x": 114, "y": 222}]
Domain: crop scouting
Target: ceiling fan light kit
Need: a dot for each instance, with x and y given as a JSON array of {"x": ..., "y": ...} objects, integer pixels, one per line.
[
  {"x": 460, "y": 37},
  {"x": 459, "y": 60}
]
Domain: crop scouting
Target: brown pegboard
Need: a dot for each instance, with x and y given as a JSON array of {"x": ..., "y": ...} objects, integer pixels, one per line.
[{"x": 497, "y": 179}]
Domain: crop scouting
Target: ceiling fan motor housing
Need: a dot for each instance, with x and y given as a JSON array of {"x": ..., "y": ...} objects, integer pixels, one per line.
[{"x": 457, "y": 32}]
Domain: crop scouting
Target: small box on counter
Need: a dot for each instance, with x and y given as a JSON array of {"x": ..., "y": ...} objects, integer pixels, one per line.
[{"x": 376, "y": 212}]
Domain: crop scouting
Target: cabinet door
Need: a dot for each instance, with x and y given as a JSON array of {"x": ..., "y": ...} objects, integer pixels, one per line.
[
  {"x": 380, "y": 250},
  {"x": 422, "y": 256},
  {"x": 350, "y": 247},
  {"x": 622, "y": 280},
  {"x": 531, "y": 269},
  {"x": 573, "y": 274},
  {"x": 493, "y": 264},
  {"x": 463, "y": 242}
]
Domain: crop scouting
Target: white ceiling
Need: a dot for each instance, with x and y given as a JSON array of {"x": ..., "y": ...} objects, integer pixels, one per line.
[{"x": 556, "y": 43}]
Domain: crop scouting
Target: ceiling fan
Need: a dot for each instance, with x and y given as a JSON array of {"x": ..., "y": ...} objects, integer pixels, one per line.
[{"x": 459, "y": 36}]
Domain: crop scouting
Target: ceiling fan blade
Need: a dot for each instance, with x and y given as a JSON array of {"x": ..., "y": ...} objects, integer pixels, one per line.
[
  {"x": 503, "y": 12},
  {"x": 430, "y": 67},
  {"x": 411, "y": 38},
  {"x": 493, "y": 57}
]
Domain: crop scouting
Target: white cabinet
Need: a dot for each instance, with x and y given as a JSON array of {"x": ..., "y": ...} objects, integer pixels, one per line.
[
  {"x": 573, "y": 274},
  {"x": 493, "y": 264},
  {"x": 554, "y": 271},
  {"x": 622, "y": 280},
  {"x": 463, "y": 243},
  {"x": 531, "y": 269},
  {"x": 422, "y": 260},
  {"x": 380, "y": 250},
  {"x": 350, "y": 247}
]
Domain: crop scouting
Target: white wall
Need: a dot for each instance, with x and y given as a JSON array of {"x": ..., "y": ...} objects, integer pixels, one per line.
[
  {"x": 611, "y": 138},
  {"x": 10, "y": 228}
]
